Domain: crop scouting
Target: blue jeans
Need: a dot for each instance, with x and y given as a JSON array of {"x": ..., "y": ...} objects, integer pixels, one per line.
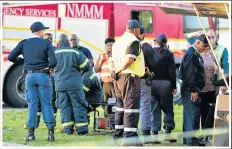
[
  {"x": 39, "y": 85},
  {"x": 73, "y": 110},
  {"x": 145, "y": 106},
  {"x": 191, "y": 114},
  {"x": 162, "y": 99}
]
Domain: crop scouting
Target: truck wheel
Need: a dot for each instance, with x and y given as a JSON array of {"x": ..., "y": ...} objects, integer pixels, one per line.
[
  {"x": 177, "y": 97},
  {"x": 14, "y": 88}
]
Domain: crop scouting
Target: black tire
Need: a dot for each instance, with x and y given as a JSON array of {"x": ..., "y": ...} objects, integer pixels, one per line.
[
  {"x": 177, "y": 97},
  {"x": 11, "y": 93}
]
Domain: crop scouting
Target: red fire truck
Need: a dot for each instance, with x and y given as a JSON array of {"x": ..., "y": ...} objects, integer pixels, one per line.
[{"x": 92, "y": 22}]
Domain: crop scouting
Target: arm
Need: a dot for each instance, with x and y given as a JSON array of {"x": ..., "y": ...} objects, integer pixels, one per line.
[
  {"x": 172, "y": 70},
  {"x": 98, "y": 65},
  {"x": 90, "y": 57},
  {"x": 132, "y": 52},
  {"x": 190, "y": 37},
  {"x": 225, "y": 62},
  {"x": 83, "y": 62},
  {"x": 13, "y": 56},
  {"x": 51, "y": 55},
  {"x": 149, "y": 57}
]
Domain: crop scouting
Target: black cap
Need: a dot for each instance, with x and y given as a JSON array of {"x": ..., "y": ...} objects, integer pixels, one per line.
[
  {"x": 161, "y": 38},
  {"x": 37, "y": 26},
  {"x": 203, "y": 38},
  {"x": 132, "y": 24},
  {"x": 142, "y": 29}
]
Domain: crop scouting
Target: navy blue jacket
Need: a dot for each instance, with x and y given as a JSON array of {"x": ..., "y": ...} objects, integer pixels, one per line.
[
  {"x": 69, "y": 66},
  {"x": 165, "y": 68},
  {"x": 192, "y": 71},
  {"x": 38, "y": 53},
  {"x": 86, "y": 51},
  {"x": 92, "y": 88}
]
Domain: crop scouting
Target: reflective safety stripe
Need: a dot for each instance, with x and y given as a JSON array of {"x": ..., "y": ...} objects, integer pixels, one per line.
[
  {"x": 85, "y": 88},
  {"x": 119, "y": 109},
  {"x": 67, "y": 50},
  {"x": 84, "y": 63},
  {"x": 105, "y": 66},
  {"x": 131, "y": 55},
  {"x": 92, "y": 76},
  {"x": 81, "y": 124},
  {"x": 68, "y": 124},
  {"x": 130, "y": 129},
  {"x": 132, "y": 110},
  {"x": 38, "y": 113},
  {"x": 105, "y": 74},
  {"x": 119, "y": 126}
]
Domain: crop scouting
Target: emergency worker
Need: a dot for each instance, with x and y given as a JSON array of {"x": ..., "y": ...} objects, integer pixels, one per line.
[
  {"x": 145, "y": 101},
  {"x": 39, "y": 63},
  {"x": 92, "y": 88},
  {"x": 192, "y": 74},
  {"x": 128, "y": 61},
  {"x": 49, "y": 37},
  {"x": 70, "y": 95},
  {"x": 163, "y": 88},
  {"x": 102, "y": 68},
  {"x": 220, "y": 51},
  {"x": 74, "y": 42}
]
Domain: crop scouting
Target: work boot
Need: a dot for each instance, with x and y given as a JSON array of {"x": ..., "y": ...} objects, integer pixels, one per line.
[
  {"x": 51, "y": 137},
  {"x": 37, "y": 121},
  {"x": 169, "y": 137},
  {"x": 31, "y": 135},
  {"x": 147, "y": 136},
  {"x": 155, "y": 134},
  {"x": 132, "y": 142}
]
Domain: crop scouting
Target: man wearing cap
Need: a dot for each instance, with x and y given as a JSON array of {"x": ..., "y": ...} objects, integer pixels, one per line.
[
  {"x": 128, "y": 61},
  {"x": 192, "y": 74},
  {"x": 49, "y": 37},
  {"x": 145, "y": 101},
  {"x": 74, "y": 42},
  {"x": 163, "y": 88},
  {"x": 220, "y": 51},
  {"x": 39, "y": 63},
  {"x": 70, "y": 95}
]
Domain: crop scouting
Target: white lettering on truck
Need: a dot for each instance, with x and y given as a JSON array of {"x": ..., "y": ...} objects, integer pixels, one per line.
[
  {"x": 84, "y": 11},
  {"x": 30, "y": 12},
  {"x": 13, "y": 11}
]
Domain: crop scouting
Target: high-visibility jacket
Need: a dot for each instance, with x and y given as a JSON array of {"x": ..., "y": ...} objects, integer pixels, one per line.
[
  {"x": 119, "y": 53},
  {"x": 105, "y": 75},
  {"x": 219, "y": 53}
]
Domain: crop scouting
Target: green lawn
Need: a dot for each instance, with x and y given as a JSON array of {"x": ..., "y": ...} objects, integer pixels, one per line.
[{"x": 13, "y": 132}]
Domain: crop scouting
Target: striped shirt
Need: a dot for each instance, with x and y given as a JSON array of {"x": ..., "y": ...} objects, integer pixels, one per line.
[{"x": 209, "y": 71}]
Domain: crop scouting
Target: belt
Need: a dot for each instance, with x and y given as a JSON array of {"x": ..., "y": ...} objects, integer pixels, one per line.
[{"x": 45, "y": 70}]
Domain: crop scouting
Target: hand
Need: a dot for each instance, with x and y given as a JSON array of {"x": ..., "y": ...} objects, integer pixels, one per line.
[
  {"x": 103, "y": 57},
  {"x": 52, "y": 72},
  {"x": 194, "y": 96},
  {"x": 200, "y": 33},
  {"x": 216, "y": 68},
  {"x": 224, "y": 89},
  {"x": 174, "y": 91}
]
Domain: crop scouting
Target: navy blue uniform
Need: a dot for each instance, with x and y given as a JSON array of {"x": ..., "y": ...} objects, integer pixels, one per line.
[
  {"x": 70, "y": 95},
  {"x": 92, "y": 88},
  {"x": 193, "y": 76},
  {"x": 38, "y": 54}
]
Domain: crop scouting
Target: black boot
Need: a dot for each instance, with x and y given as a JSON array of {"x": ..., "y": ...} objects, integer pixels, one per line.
[
  {"x": 169, "y": 137},
  {"x": 37, "y": 121},
  {"x": 147, "y": 136},
  {"x": 31, "y": 135},
  {"x": 155, "y": 134},
  {"x": 51, "y": 137}
]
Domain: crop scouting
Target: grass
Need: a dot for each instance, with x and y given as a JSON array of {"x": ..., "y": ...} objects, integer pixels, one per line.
[{"x": 14, "y": 132}]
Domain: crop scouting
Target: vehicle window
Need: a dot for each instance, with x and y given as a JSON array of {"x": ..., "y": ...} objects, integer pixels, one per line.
[
  {"x": 144, "y": 17},
  {"x": 191, "y": 23}
]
